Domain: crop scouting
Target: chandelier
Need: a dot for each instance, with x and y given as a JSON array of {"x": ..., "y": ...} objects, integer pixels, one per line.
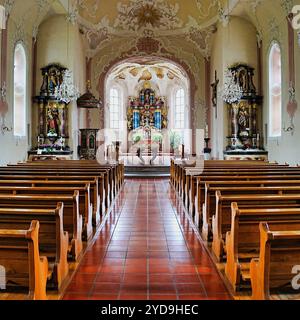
[
  {"x": 232, "y": 92},
  {"x": 67, "y": 91}
]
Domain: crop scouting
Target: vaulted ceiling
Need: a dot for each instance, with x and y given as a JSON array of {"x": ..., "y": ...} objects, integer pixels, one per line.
[{"x": 194, "y": 21}]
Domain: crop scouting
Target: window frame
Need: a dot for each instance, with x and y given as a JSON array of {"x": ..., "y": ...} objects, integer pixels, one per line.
[
  {"x": 114, "y": 113},
  {"x": 22, "y": 134},
  {"x": 182, "y": 105},
  {"x": 271, "y": 134}
]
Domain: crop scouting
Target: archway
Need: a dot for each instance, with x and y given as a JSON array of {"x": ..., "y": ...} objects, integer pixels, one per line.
[{"x": 170, "y": 87}]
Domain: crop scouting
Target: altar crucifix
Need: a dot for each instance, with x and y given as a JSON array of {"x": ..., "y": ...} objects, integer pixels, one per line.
[{"x": 215, "y": 94}]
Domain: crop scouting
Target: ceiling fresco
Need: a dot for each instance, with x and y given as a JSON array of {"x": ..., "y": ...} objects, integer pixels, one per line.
[{"x": 100, "y": 21}]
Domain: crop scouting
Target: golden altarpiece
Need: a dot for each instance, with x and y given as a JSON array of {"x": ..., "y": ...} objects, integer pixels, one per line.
[{"x": 147, "y": 116}]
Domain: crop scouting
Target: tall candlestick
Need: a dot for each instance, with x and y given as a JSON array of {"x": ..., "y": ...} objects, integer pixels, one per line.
[{"x": 206, "y": 131}]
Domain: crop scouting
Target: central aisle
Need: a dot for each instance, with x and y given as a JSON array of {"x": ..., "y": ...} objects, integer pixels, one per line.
[{"x": 147, "y": 249}]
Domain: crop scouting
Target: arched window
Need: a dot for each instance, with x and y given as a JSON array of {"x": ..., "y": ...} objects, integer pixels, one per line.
[
  {"x": 114, "y": 108},
  {"x": 179, "y": 109},
  {"x": 275, "y": 101},
  {"x": 20, "y": 88}
]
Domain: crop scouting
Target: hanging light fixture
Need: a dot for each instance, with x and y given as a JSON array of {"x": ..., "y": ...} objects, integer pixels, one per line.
[
  {"x": 67, "y": 91},
  {"x": 232, "y": 92}
]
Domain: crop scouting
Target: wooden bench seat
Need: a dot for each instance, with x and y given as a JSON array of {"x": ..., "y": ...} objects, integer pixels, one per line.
[
  {"x": 221, "y": 221},
  {"x": 72, "y": 219},
  {"x": 279, "y": 254},
  {"x": 242, "y": 241},
  {"x": 24, "y": 267},
  {"x": 200, "y": 188},
  {"x": 96, "y": 182},
  {"x": 209, "y": 207},
  {"x": 79, "y": 174},
  {"x": 112, "y": 171},
  {"x": 85, "y": 205},
  {"x": 53, "y": 240},
  {"x": 95, "y": 200}
]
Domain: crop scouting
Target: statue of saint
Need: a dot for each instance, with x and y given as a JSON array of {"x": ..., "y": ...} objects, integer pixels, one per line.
[
  {"x": 243, "y": 118},
  {"x": 52, "y": 82},
  {"x": 53, "y": 120}
]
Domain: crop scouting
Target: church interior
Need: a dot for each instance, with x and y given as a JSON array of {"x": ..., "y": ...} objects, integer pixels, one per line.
[{"x": 151, "y": 150}]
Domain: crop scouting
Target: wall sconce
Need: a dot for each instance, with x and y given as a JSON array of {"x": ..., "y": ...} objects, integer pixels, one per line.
[
  {"x": 3, "y": 92},
  {"x": 290, "y": 129},
  {"x": 4, "y": 128}
]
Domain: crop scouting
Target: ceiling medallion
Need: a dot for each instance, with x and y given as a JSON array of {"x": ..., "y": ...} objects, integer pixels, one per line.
[{"x": 147, "y": 14}]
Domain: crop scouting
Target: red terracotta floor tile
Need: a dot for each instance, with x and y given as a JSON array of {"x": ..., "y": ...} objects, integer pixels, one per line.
[
  {"x": 104, "y": 296},
  {"x": 163, "y": 297},
  {"x": 147, "y": 249}
]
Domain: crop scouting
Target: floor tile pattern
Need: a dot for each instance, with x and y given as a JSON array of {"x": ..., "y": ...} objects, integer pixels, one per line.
[{"x": 148, "y": 250}]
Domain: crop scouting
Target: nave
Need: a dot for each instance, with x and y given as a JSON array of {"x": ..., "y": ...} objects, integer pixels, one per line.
[{"x": 147, "y": 249}]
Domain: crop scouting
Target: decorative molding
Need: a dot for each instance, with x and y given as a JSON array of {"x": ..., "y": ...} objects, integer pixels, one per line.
[
  {"x": 259, "y": 38},
  {"x": 147, "y": 14},
  {"x": 223, "y": 16},
  {"x": 20, "y": 35},
  {"x": 274, "y": 30},
  {"x": 3, "y": 92},
  {"x": 254, "y": 4},
  {"x": 287, "y": 6},
  {"x": 90, "y": 10},
  {"x": 204, "y": 13},
  {"x": 8, "y": 5},
  {"x": 72, "y": 15},
  {"x": 201, "y": 38},
  {"x": 156, "y": 19}
]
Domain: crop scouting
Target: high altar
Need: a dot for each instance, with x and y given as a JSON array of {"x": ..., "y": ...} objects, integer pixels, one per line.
[{"x": 147, "y": 115}]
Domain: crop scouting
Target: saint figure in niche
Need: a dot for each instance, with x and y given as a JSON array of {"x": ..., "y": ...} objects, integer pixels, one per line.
[{"x": 53, "y": 121}]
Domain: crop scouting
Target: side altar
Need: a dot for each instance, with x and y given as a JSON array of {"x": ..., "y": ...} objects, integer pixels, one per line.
[
  {"x": 244, "y": 114},
  {"x": 147, "y": 116},
  {"x": 52, "y": 116}
]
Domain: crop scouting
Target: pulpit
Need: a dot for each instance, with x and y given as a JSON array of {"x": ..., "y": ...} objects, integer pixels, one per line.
[{"x": 88, "y": 146}]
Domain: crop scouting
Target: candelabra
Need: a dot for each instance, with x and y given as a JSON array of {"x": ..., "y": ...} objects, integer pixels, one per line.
[{"x": 232, "y": 92}]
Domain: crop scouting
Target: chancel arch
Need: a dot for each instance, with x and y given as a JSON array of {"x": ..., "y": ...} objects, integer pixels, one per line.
[{"x": 154, "y": 93}]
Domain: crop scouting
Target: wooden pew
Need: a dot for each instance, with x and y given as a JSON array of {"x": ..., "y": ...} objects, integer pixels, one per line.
[
  {"x": 279, "y": 254},
  {"x": 115, "y": 172},
  {"x": 85, "y": 207},
  {"x": 211, "y": 222},
  {"x": 193, "y": 189},
  {"x": 53, "y": 240},
  {"x": 96, "y": 183},
  {"x": 242, "y": 241},
  {"x": 223, "y": 218},
  {"x": 200, "y": 196},
  {"x": 102, "y": 174},
  {"x": 25, "y": 268},
  {"x": 72, "y": 218},
  {"x": 95, "y": 200}
]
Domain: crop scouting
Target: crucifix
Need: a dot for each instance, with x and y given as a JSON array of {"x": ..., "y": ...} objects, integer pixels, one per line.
[{"x": 214, "y": 98}]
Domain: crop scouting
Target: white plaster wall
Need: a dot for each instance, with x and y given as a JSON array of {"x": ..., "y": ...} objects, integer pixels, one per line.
[
  {"x": 60, "y": 42},
  {"x": 233, "y": 43}
]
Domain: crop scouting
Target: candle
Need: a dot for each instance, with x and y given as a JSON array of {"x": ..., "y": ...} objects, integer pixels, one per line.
[{"x": 206, "y": 131}]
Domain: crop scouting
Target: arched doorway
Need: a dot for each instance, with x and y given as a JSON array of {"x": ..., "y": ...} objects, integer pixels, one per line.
[{"x": 144, "y": 92}]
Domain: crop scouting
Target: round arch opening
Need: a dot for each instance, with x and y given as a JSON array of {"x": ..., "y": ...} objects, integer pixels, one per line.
[{"x": 143, "y": 92}]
